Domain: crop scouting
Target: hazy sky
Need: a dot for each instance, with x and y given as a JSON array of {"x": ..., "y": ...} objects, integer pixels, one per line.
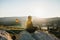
[{"x": 39, "y": 8}]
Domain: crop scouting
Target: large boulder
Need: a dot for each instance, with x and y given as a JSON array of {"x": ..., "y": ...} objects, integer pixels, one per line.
[
  {"x": 24, "y": 35},
  {"x": 2, "y": 38},
  {"x": 43, "y": 36},
  {"x": 4, "y": 35}
]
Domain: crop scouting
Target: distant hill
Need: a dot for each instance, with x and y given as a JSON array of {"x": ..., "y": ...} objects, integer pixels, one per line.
[
  {"x": 11, "y": 20},
  {"x": 39, "y": 21},
  {"x": 36, "y": 21}
]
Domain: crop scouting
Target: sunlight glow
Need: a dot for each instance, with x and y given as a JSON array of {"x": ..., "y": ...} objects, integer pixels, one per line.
[{"x": 39, "y": 8}]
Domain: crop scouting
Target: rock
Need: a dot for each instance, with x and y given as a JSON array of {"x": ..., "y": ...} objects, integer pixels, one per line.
[
  {"x": 2, "y": 38},
  {"x": 42, "y": 36},
  {"x": 24, "y": 35},
  {"x": 4, "y": 35}
]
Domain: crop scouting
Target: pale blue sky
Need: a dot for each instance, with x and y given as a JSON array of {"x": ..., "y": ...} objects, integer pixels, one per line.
[{"x": 39, "y": 8}]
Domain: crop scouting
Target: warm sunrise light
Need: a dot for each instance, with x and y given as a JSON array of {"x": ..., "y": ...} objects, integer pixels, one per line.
[{"x": 39, "y": 8}]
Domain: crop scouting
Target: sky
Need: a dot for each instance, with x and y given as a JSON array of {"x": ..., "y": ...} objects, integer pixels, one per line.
[{"x": 39, "y": 8}]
